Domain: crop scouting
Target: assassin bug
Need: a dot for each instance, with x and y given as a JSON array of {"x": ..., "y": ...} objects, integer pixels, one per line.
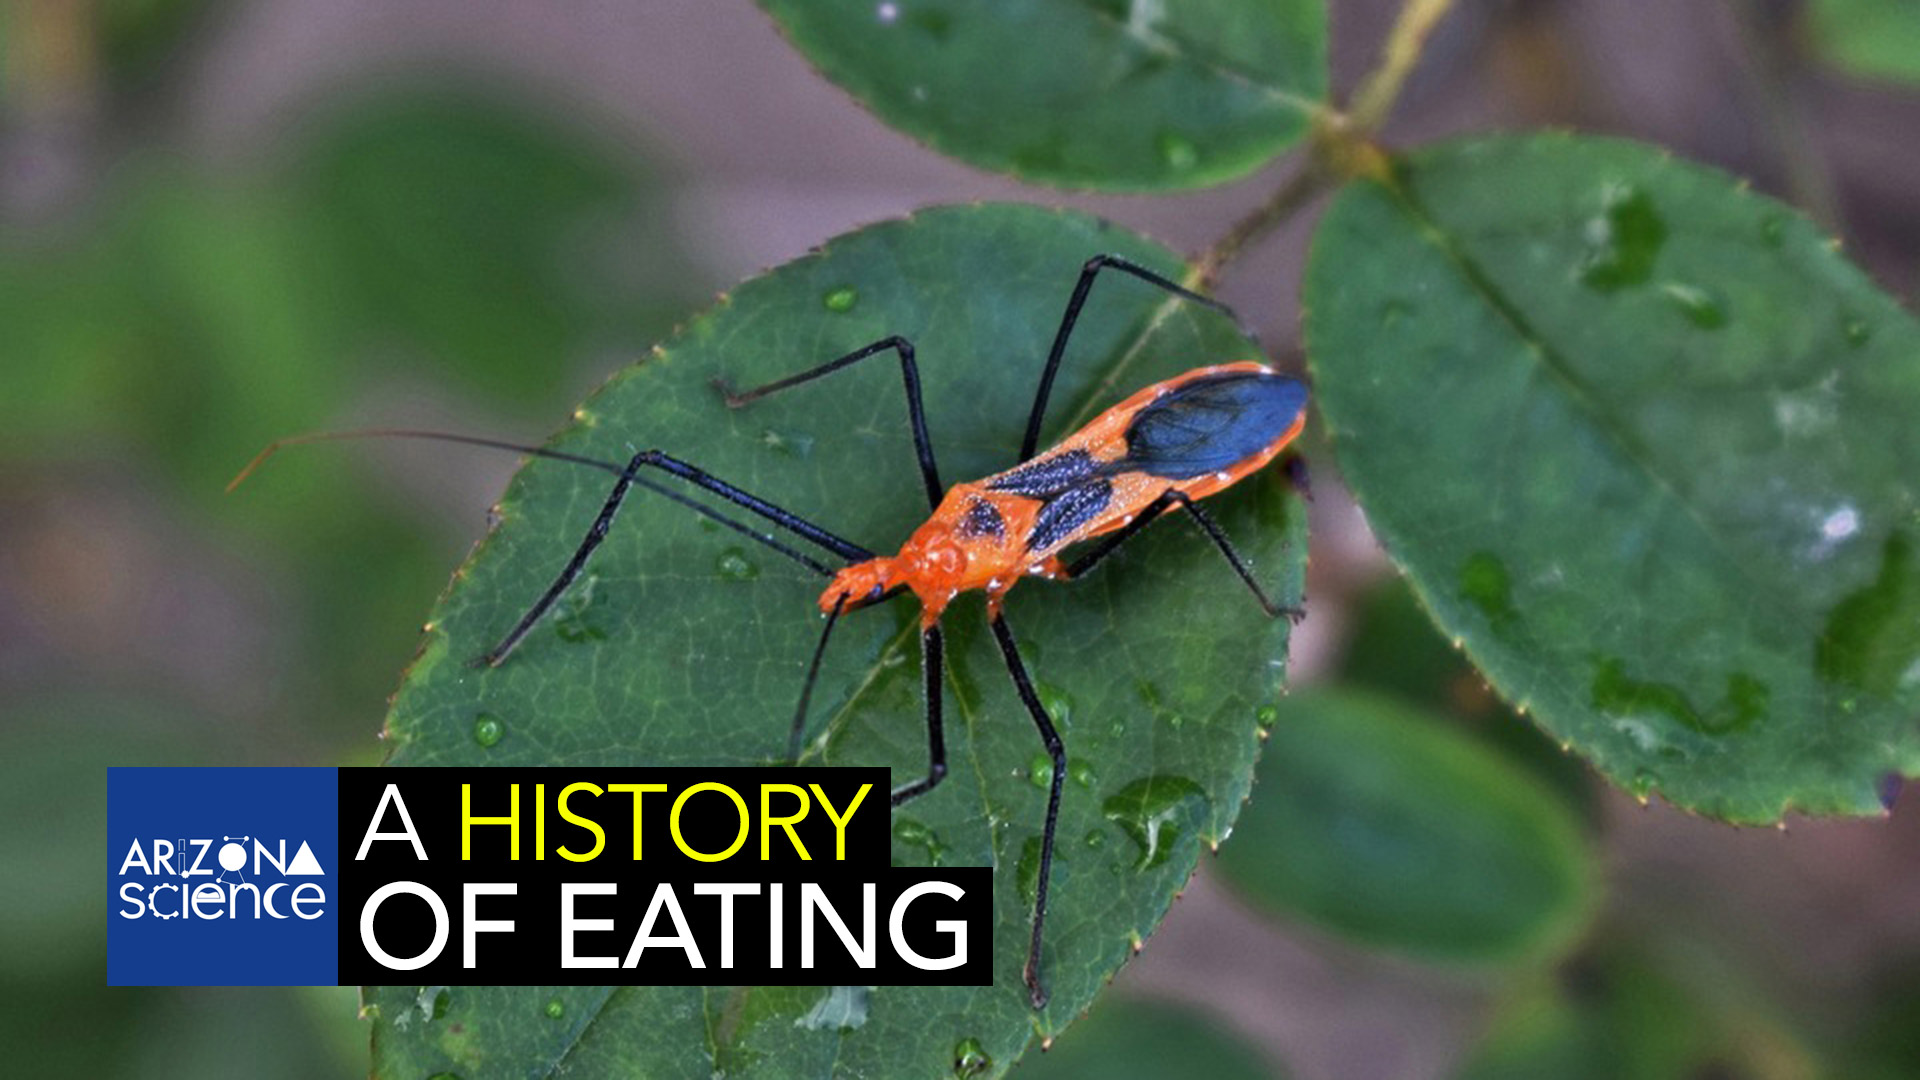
[{"x": 1164, "y": 448}]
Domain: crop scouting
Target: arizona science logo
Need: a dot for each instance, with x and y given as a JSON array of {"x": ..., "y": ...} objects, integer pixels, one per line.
[
  {"x": 237, "y": 889},
  {"x": 197, "y": 904}
]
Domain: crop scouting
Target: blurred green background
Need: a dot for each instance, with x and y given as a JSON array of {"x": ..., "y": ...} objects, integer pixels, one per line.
[{"x": 223, "y": 222}]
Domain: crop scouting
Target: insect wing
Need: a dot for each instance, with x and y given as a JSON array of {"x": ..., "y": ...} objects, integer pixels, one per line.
[{"x": 1211, "y": 424}]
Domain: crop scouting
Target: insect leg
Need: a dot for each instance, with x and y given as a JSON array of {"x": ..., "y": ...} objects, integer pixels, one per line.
[
  {"x": 931, "y": 658},
  {"x": 1170, "y": 498},
  {"x": 806, "y": 688},
  {"x": 603, "y": 522},
  {"x": 909, "y": 373},
  {"x": 1072, "y": 316},
  {"x": 1036, "y": 993}
]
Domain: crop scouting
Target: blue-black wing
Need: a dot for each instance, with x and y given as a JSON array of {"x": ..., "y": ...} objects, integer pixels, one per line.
[{"x": 1211, "y": 424}]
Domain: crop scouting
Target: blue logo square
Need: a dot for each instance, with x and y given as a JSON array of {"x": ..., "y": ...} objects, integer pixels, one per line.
[{"x": 222, "y": 877}]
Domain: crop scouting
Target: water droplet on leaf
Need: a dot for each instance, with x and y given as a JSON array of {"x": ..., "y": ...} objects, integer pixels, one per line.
[
  {"x": 843, "y": 299},
  {"x": 1623, "y": 241},
  {"x": 555, "y": 1009},
  {"x": 1485, "y": 584},
  {"x": 571, "y": 619},
  {"x": 1040, "y": 771},
  {"x": 788, "y": 443},
  {"x": 1057, "y": 702},
  {"x": 1701, "y": 307},
  {"x": 1630, "y": 701},
  {"x": 488, "y": 730},
  {"x": 1083, "y": 773},
  {"x": 1177, "y": 151},
  {"x": 734, "y": 565},
  {"x": 970, "y": 1058},
  {"x": 1153, "y": 811},
  {"x": 912, "y": 834}
]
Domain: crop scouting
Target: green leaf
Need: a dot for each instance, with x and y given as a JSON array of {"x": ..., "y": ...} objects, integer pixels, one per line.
[
  {"x": 1139, "y": 1040},
  {"x": 1125, "y": 95},
  {"x": 1384, "y": 825},
  {"x": 691, "y": 645},
  {"x": 1875, "y": 38},
  {"x": 1630, "y": 1014},
  {"x": 1643, "y": 441}
]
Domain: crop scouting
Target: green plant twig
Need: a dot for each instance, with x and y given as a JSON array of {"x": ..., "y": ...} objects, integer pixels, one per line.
[
  {"x": 1381, "y": 88},
  {"x": 1341, "y": 146},
  {"x": 1300, "y": 188}
]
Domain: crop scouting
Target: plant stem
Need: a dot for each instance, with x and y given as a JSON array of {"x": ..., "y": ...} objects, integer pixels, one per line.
[
  {"x": 1380, "y": 89},
  {"x": 1299, "y": 189},
  {"x": 1808, "y": 182},
  {"x": 1341, "y": 146}
]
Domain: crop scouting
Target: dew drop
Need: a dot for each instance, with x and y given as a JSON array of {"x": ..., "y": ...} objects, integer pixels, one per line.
[
  {"x": 1641, "y": 786},
  {"x": 1177, "y": 151},
  {"x": 1392, "y": 312},
  {"x": 734, "y": 565},
  {"x": 970, "y": 1058},
  {"x": 444, "y": 1076},
  {"x": 1858, "y": 332},
  {"x": 1096, "y": 839},
  {"x": 912, "y": 834},
  {"x": 1485, "y": 583},
  {"x": 1267, "y": 716},
  {"x": 572, "y": 616},
  {"x": 488, "y": 730},
  {"x": 1040, "y": 771},
  {"x": 1153, "y": 812},
  {"x": 841, "y": 299},
  {"x": 841, "y": 1008},
  {"x": 1083, "y": 773},
  {"x": 791, "y": 444},
  {"x": 887, "y": 13},
  {"x": 1057, "y": 702},
  {"x": 555, "y": 1009},
  {"x": 1701, "y": 307},
  {"x": 1623, "y": 241}
]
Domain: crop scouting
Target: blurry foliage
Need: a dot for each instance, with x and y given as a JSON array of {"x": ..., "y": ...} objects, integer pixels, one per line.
[
  {"x": 1393, "y": 647},
  {"x": 140, "y": 39},
  {"x": 1628, "y": 1013},
  {"x": 1380, "y": 824},
  {"x": 167, "y": 332},
  {"x": 197, "y": 318},
  {"x": 1875, "y": 38}
]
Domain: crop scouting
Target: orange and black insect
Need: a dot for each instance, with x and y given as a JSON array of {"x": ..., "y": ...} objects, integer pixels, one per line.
[{"x": 1164, "y": 448}]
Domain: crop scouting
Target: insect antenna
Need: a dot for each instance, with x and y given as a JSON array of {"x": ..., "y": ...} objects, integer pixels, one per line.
[{"x": 616, "y": 469}]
